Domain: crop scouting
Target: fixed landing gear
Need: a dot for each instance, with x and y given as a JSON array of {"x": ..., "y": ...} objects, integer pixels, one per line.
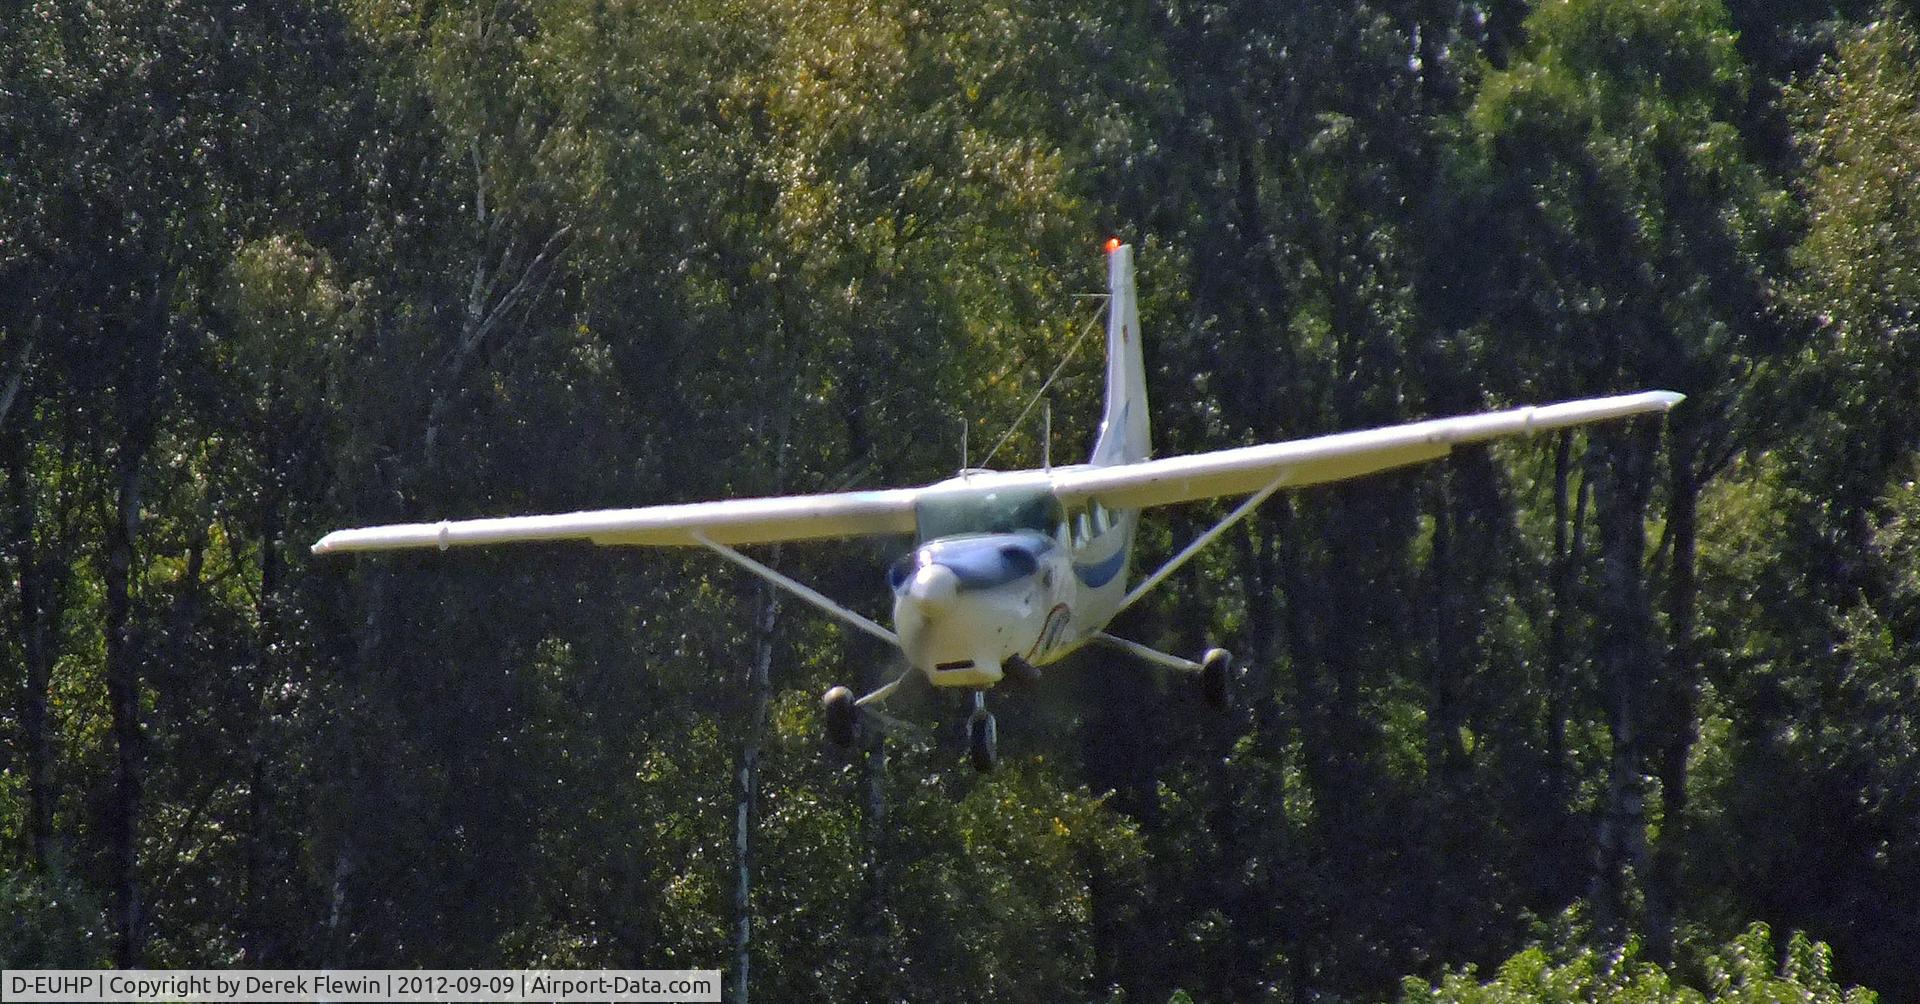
[
  {"x": 983, "y": 737},
  {"x": 1214, "y": 671},
  {"x": 840, "y": 711},
  {"x": 1216, "y": 678}
]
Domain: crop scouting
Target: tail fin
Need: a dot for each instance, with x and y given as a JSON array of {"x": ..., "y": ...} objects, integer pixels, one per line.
[{"x": 1123, "y": 429}]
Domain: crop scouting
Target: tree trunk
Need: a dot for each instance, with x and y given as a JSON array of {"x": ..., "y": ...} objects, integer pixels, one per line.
[
  {"x": 773, "y": 427},
  {"x": 350, "y": 748},
  {"x": 1257, "y": 550},
  {"x": 1555, "y": 671},
  {"x": 139, "y": 391},
  {"x": 747, "y": 790},
  {"x": 876, "y": 932},
  {"x": 1679, "y": 727},
  {"x": 1569, "y": 543},
  {"x": 1626, "y": 664},
  {"x": 1320, "y": 721},
  {"x": 254, "y": 929},
  {"x": 41, "y": 603},
  {"x": 1446, "y": 753},
  {"x": 123, "y": 705}
]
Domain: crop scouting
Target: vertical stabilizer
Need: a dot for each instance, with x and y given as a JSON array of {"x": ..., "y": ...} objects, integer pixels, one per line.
[{"x": 1123, "y": 428}]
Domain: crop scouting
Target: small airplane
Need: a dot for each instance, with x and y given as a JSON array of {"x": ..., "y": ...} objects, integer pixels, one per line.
[{"x": 1016, "y": 569}]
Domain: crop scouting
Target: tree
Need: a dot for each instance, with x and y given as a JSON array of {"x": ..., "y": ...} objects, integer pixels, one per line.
[
  {"x": 1747, "y": 969},
  {"x": 1634, "y": 234}
]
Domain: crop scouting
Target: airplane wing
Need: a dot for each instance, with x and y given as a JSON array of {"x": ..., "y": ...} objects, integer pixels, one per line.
[
  {"x": 1137, "y": 485},
  {"x": 735, "y": 521},
  {"x": 1337, "y": 457}
]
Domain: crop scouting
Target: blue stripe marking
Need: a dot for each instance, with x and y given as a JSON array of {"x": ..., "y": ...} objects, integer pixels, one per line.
[{"x": 1101, "y": 572}]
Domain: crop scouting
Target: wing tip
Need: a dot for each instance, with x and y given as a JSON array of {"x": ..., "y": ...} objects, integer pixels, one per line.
[{"x": 1667, "y": 398}]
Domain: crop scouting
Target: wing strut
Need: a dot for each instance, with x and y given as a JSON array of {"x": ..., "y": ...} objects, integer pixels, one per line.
[
  {"x": 886, "y": 690},
  {"x": 1252, "y": 502},
  {"x": 807, "y": 593},
  {"x": 1152, "y": 655}
]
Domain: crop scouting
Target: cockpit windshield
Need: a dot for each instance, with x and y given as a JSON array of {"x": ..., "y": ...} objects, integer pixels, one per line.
[{"x": 998, "y": 510}]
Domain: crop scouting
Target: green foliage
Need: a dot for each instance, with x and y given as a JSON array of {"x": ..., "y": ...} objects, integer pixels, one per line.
[
  {"x": 1749, "y": 969},
  {"x": 270, "y": 270},
  {"x": 1011, "y": 871},
  {"x": 1640, "y": 223},
  {"x": 1855, "y": 282},
  {"x": 53, "y": 921}
]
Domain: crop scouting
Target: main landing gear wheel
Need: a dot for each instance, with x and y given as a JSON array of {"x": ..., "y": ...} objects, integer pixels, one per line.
[
  {"x": 1216, "y": 678},
  {"x": 1021, "y": 671},
  {"x": 983, "y": 737},
  {"x": 841, "y": 713}
]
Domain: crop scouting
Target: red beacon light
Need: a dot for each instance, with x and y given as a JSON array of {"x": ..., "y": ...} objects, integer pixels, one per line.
[{"x": 1112, "y": 244}]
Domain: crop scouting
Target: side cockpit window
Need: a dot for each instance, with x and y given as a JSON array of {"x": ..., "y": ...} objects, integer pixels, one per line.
[{"x": 1087, "y": 521}]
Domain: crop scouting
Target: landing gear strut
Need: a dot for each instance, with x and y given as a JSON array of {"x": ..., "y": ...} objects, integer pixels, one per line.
[
  {"x": 1214, "y": 671},
  {"x": 982, "y": 736}
]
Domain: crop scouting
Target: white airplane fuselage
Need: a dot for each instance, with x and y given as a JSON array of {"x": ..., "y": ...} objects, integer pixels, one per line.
[{"x": 1032, "y": 588}]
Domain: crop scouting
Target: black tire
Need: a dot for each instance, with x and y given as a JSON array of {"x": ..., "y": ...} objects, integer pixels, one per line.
[
  {"x": 1216, "y": 678},
  {"x": 841, "y": 715},
  {"x": 1021, "y": 671},
  {"x": 982, "y": 740}
]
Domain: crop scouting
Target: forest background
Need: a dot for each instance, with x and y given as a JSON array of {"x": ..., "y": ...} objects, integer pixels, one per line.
[{"x": 1595, "y": 704}]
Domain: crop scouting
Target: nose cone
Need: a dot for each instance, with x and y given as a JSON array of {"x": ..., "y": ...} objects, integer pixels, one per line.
[{"x": 934, "y": 585}]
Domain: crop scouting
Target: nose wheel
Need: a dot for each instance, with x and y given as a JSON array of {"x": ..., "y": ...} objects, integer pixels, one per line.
[{"x": 983, "y": 737}]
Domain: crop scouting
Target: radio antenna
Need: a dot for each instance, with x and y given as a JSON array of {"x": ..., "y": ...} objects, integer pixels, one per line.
[
  {"x": 1092, "y": 325},
  {"x": 1046, "y": 435}
]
